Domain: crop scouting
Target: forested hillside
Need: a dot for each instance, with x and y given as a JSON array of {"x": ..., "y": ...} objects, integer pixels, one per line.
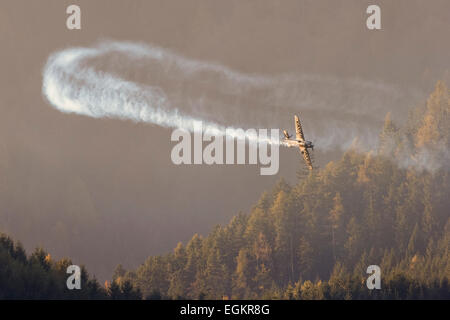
[
  {"x": 315, "y": 239},
  {"x": 38, "y": 276},
  {"x": 311, "y": 240}
]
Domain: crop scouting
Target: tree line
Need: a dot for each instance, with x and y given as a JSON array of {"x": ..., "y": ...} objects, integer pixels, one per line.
[{"x": 38, "y": 276}]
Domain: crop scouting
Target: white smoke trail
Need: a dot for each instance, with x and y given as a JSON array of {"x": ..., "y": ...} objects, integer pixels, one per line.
[
  {"x": 72, "y": 87},
  {"x": 149, "y": 84}
]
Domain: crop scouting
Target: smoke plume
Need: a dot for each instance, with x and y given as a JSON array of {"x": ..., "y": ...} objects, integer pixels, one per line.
[{"x": 150, "y": 84}]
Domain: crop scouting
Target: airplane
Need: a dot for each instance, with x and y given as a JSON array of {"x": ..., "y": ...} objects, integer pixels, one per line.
[{"x": 300, "y": 142}]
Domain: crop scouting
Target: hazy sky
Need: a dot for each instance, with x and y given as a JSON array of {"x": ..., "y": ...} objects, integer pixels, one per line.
[{"x": 104, "y": 191}]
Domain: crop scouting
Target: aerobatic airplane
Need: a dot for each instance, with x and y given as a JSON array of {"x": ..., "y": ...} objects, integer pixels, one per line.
[{"x": 300, "y": 142}]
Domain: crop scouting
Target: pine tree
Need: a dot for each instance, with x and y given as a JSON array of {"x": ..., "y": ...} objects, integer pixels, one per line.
[{"x": 335, "y": 219}]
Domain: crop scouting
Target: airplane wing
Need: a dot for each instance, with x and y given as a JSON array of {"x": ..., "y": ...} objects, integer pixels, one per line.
[
  {"x": 306, "y": 156},
  {"x": 298, "y": 129}
]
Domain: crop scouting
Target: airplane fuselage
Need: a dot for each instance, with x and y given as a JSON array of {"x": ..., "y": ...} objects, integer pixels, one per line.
[{"x": 298, "y": 143}]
